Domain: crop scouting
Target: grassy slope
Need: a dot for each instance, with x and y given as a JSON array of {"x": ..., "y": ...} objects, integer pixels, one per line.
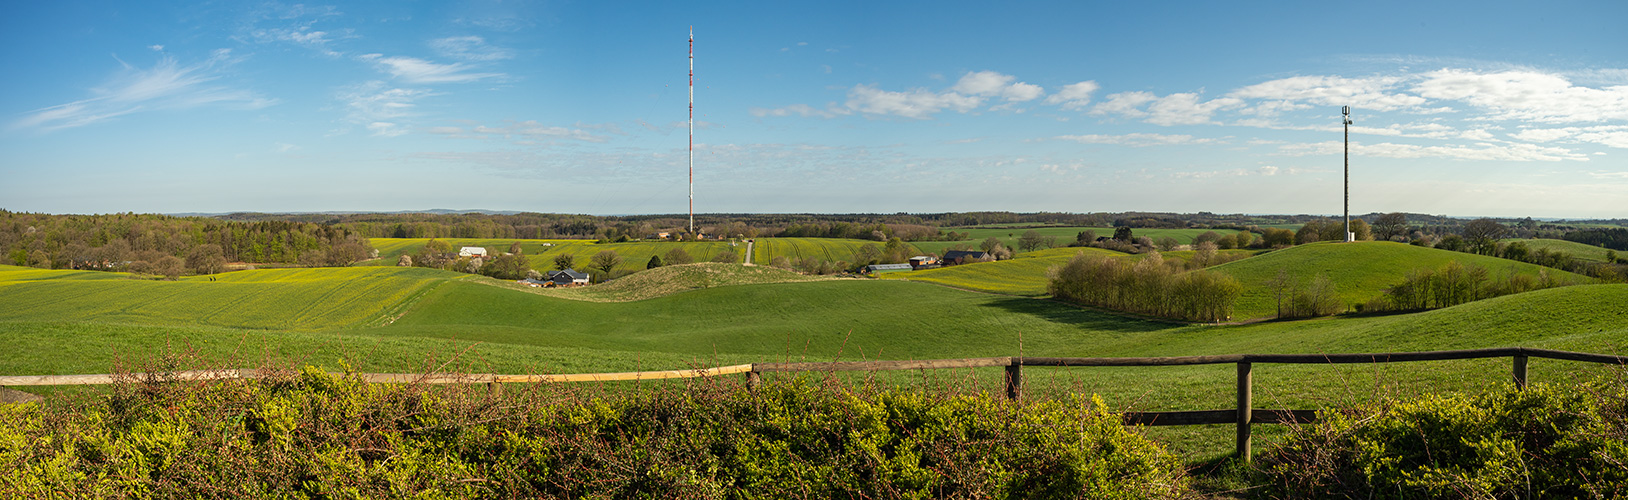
[
  {"x": 1064, "y": 234},
  {"x": 525, "y": 332},
  {"x": 1577, "y": 250},
  {"x": 635, "y": 254},
  {"x": 1025, "y": 274},
  {"x": 668, "y": 280},
  {"x": 1361, "y": 271},
  {"x": 284, "y": 299}
]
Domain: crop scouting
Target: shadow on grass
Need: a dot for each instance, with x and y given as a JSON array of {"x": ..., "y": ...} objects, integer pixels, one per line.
[{"x": 1066, "y": 314}]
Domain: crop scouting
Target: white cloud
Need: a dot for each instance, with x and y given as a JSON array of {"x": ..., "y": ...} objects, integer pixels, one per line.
[
  {"x": 914, "y": 103},
  {"x": 1074, "y": 95},
  {"x": 992, "y": 84},
  {"x": 1173, "y": 109},
  {"x": 469, "y": 48},
  {"x": 1363, "y": 93},
  {"x": 1125, "y": 103},
  {"x": 1615, "y": 136},
  {"x": 166, "y": 85},
  {"x": 421, "y": 71},
  {"x": 1137, "y": 140},
  {"x": 1482, "y": 151},
  {"x": 1268, "y": 170},
  {"x": 1527, "y": 96}
]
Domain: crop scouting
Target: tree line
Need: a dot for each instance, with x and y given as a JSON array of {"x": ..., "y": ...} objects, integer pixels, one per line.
[{"x": 170, "y": 246}]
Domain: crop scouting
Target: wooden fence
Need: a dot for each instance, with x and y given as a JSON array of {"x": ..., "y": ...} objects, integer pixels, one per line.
[{"x": 1244, "y": 415}]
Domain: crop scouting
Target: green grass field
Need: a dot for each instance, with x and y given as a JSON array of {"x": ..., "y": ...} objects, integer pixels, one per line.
[
  {"x": 1577, "y": 250},
  {"x": 635, "y": 254},
  {"x": 1361, "y": 271},
  {"x": 1064, "y": 234},
  {"x": 402, "y": 319}
]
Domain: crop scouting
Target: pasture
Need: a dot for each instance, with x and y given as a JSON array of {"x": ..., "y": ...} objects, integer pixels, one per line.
[
  {"x": 1361, "y": 271},
  {"x": 1065, "y": 235},
  {"x": 404, "y": 319},
  {"x": 1579, "y": 251},
  {"x": 635, "y": 254}
]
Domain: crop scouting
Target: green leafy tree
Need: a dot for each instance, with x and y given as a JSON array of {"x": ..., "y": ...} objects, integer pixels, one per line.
[
  {"x": 514, "y": 248},
  {"x": 655, "y": 262},
  {"x": 1481, "y": 235},
  {"x": 437, "y": 246},
  {"x": 565, "y": 261},
  {"x": 606, "y": 260},
  {"x": 206, "y": 259},
  {"x": 677, "y": 256},
  {"x": 1085, "y": 237},
  {"x": 1123, "y": 233}
]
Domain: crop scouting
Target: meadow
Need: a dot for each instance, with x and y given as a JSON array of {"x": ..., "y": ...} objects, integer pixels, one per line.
[
  {"x": 1577, "y": 250},
  {"x": 635, "y": 254},
  {"x": 1065, "y": 234},
  {"x": 405, "y": 319}
]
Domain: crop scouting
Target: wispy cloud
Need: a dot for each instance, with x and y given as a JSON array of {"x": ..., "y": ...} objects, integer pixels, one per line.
[
  {"x": 1482, "y": 151},
  {"x": 914, "y": 103},
  {"x": 469, "y": 48},
  {"x": 379, "y": 107},
  {"x": 414, "y": 70},
  {"x": 1372, "y": 93},
  {"x": 295, "y": 24},
  {"x": 531, "y": 130},
  {"x": 1138, "y": 140},
  {"x": 1173, "y": 109},
  {"x": 992, "y": 84},
  {"x": 166, "y": 85}
]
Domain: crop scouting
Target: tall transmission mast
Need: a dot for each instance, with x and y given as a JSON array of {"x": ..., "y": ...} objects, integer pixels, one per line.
[
  {"x": 1346, "y": 119},
  {"x": 692, "y": 130}
]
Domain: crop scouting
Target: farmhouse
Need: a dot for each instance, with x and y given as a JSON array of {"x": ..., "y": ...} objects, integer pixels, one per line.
[
  {"x": 568, "y": 277},
  {"x": 472, "y": 252},
  {"x": 955, "y": 257}
]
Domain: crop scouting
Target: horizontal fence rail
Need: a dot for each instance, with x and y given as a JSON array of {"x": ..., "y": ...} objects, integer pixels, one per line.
[{"x": 1244, "y": 415}]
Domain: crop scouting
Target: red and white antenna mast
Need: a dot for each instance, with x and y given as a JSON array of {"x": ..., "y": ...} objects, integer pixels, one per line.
[{"x": 692, "y": 130}]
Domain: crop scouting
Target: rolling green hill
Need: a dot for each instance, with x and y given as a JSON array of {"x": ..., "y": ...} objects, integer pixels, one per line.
[
  {"x": 1025, "y": 274},
  {"x": 668, "y": 280},
  {"x": 402, "y": 319},
  {"x": 635, "y": 254},
  {"x": 1064, "y": 234},
  {"x": 1361, "y": 271},
  {"x": 1577, "y": 250}
]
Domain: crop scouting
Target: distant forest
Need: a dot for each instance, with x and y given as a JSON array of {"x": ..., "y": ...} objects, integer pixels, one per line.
[{"x": 169, "y": 245}]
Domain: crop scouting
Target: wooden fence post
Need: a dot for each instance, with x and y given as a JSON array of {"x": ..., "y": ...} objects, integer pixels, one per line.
[
  {"x": 753, "y": 380},
  {"x": 1245, "y": 409},
  {"x": 1014, "y": 381},
  {"x": 1520, "y": 372}
]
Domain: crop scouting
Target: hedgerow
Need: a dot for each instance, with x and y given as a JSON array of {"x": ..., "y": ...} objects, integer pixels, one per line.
[
  {"x": 312, "y": 435},
  {"x": 1561, "y": 441}
]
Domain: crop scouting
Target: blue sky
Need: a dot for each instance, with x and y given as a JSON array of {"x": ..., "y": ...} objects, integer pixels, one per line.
[{"x": 1461, "y": 108}]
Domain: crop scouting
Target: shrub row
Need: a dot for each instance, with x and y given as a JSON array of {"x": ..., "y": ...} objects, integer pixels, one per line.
[
  {"x": 1455, "y": 284},
  {"x": 317, "y": 436},
  {"x": 1148, "y": 287}
]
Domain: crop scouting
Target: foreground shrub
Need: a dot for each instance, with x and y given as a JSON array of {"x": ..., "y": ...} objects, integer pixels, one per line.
[
  {"x": 313, "y": 435},
  {"x": 1544, "y": 442}
]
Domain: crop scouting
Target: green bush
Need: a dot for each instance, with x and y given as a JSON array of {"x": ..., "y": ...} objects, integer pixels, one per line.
[
  {"x": 1543, "y": 442},
  {"x": 317, "y": 436}
]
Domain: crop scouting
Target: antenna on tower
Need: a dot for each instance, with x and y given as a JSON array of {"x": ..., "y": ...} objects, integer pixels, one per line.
[
  {"x": 692, "y": 131},
  {"x": 1346, "y": 121}
]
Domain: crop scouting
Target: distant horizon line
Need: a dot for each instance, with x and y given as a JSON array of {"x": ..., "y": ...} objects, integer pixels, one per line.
[{"x": 444, "y": 211}]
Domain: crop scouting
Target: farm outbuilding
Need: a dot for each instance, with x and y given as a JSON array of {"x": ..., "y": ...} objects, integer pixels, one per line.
[
  {"x": 472, "y": 252},
  {"x": 887, "y": 267},
  {"x": 568, "y": 277},
  {"x": 954, "y": 257}
]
